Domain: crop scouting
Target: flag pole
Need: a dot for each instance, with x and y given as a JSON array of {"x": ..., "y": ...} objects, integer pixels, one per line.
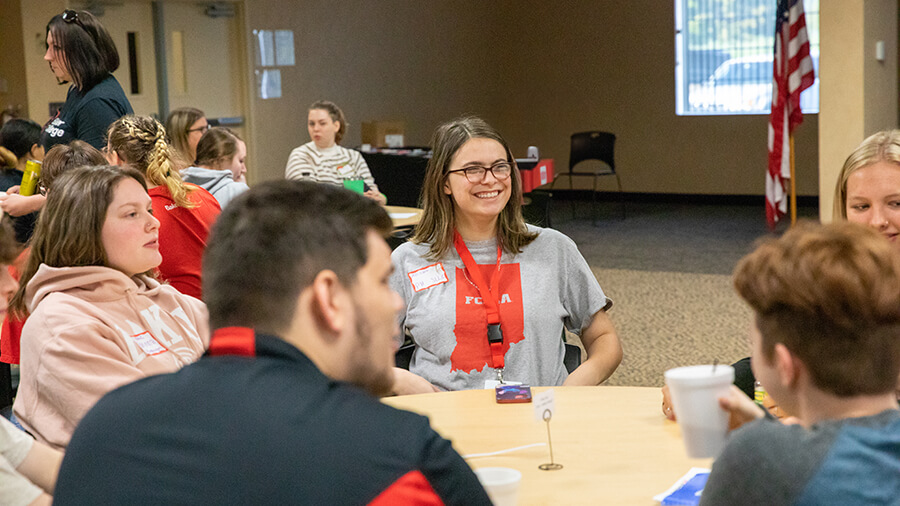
[{"x": 793, "y": 185}]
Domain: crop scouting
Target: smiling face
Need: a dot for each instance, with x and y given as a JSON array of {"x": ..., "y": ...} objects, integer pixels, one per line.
[
  {"x": 57, "y": 60},
  {"x": 873, "y": 198},
  {"x": 130, "y": 234},
  {"x": 479, "y": 202},
  {"x": 322, "y": 129},
  {"x": 237, "y": 165}
]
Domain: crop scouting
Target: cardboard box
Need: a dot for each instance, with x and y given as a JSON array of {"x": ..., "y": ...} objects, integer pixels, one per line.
[{"x": 383, "y": 134}]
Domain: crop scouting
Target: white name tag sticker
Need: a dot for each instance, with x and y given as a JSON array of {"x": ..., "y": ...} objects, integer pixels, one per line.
[
  {"x": 147, "y": 343},
  {"x": 543, "y": 405},
  {"x": 426, "y": 277},
  {"x": 345, "y": 170}
]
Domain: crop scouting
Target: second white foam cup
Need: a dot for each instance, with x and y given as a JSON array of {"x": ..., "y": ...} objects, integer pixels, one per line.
[
  {"x": 695, "y": 394},
  {"x": 501, "y": 483}
]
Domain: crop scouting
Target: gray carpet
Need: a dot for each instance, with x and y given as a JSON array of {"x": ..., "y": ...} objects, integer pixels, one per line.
[{"x": 667, "y": 268}]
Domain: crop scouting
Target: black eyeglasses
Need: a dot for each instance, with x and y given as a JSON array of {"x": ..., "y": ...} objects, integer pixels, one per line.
[
  {"x": 202, "y": 129},
  {"x": 70, "y": 16},
  {"x": 500, "y": 170}
]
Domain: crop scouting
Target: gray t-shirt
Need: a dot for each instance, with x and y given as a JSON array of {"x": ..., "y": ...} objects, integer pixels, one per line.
[
  {"x": 546, "y": 286},
  {"x": 849, "y": 461}
]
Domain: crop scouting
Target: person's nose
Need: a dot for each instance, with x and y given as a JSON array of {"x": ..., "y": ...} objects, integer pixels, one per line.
[
  {"x": 878, "y": 220},
  {"x": 47, "y": 55},
  {"x": 152, "y": 223}
]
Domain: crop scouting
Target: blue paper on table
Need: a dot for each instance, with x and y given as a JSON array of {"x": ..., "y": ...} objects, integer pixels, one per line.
[{"x": 689, "y": 493}]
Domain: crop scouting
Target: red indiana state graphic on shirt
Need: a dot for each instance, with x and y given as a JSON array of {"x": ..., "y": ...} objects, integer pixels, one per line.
[{"x": 472, "y": 351}]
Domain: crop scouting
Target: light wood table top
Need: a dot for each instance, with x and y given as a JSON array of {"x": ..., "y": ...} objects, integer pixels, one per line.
[
  {"x": 614, "y": 443},
  {"x": 404, "y": 221}
]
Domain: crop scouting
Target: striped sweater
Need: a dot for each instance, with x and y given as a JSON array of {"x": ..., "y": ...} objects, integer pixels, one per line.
[{"x": 330, "y": 165}]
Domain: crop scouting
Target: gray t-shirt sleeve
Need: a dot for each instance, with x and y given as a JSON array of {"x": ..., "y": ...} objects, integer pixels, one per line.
[
  {"x": 766, "y": 462},
  {"x": 581, "y": 295}
]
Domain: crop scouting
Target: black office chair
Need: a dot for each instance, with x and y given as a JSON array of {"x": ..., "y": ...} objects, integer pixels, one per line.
[{"x": 599, "y": 146}]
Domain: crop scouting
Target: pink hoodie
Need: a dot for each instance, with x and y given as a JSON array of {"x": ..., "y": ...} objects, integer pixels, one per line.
[{"x": 91, "y": 330}]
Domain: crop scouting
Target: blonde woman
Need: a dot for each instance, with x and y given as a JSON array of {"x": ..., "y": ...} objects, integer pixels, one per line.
[
  {"x": 868, "y": 188},
  {"x": 185, "y": 211}
]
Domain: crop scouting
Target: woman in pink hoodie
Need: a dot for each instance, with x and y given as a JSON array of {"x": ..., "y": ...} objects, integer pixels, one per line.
[{"x": 97, "y": 319}]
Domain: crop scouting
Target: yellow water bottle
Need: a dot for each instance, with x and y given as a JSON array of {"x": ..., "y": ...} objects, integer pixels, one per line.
[{"x": 30, "y": 178}]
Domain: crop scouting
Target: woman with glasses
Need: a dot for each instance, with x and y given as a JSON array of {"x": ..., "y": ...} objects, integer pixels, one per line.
[
  {"x": 81, "y": 52},
  {"x": 487, "y": 296},
  {"x": 186, "y": 125},
  {"x": 323, "y": 160}
]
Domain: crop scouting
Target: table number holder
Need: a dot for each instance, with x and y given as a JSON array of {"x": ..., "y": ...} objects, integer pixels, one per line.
[{"x": 543, "y": 410}]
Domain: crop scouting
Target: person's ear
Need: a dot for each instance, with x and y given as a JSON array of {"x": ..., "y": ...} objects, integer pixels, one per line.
[
  {"x": 788, "y": 366},
  {"x": 328, "y": 309},
  {"x": 447, "y": 190},
  {"x": 113, "y": 157},
  {"x": 36, "y": 152}
]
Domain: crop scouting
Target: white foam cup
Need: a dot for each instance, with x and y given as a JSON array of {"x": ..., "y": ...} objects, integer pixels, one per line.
[
  {"x": 501, "y": 483},
  {"x": 695, "y": 394}
]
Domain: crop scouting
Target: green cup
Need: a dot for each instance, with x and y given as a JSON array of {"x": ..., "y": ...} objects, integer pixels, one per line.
[{"x": 356, "y": 185}]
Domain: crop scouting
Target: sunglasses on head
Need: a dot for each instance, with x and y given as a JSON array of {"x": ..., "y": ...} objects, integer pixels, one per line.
[{"x": 70, "y": 16}]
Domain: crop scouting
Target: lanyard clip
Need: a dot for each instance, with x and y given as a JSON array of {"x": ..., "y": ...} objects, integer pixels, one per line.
[
  {"x": 495, "y": 335},
  {"x": 500, "y": 375}
]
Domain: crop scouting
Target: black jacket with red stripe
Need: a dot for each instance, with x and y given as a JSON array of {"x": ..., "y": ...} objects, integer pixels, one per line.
[{"x": 263, "y": 428}]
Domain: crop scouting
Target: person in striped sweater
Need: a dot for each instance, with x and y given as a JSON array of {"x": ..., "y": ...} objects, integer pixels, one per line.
[{"x": 323, "y": 160}]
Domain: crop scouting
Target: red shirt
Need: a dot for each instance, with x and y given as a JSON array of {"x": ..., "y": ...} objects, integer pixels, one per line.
[{"x": 182, "y": 236}]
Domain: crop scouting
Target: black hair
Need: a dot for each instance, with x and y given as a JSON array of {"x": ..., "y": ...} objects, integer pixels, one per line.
[
  {"x": 271, "y": 242},
  {"x": 19, "y": 136},
  {"x": 88, "y": 50}
]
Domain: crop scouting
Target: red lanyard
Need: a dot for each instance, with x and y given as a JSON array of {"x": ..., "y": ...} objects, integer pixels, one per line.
[{"x": 489, "y": 300}]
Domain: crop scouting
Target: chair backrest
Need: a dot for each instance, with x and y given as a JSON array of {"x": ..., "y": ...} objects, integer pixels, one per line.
[{"x": 593, "y": 145}]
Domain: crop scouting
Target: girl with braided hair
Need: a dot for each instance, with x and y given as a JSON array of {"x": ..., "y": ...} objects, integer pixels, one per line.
[{"x": 185, "y": 211}]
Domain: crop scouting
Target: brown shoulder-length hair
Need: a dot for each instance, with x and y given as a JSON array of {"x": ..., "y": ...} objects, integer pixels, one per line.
[
  {"x": 69, "y": 228},
  {"x": 88, "y": 51},
  {"x": 218, "y": 145},
  {"x": 177, "y": 125},
  {"x": 141, "y": 142},
  {"x": 439, "y": 219}
]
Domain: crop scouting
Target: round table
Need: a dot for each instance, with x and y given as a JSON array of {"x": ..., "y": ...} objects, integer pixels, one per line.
[{"x": 613, "y": 442}]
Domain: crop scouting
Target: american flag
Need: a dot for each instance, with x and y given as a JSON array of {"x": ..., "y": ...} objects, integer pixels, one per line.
[{"x": 793, "y": 73}]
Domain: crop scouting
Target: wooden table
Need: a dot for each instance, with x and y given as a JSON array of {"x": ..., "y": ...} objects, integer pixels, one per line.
[
  {"x": 614, "y": 443},
  {"x": 404, "y": 222}
]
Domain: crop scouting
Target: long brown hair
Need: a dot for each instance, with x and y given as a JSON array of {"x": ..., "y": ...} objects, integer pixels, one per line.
[
  {"x": 141, "y": 142},
  {"x": 68, "y": 231},
  {"x": 439, "y": 219}
]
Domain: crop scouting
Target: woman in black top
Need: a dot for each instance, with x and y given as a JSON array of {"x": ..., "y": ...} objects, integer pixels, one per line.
[{"x": 80, "y": 51}]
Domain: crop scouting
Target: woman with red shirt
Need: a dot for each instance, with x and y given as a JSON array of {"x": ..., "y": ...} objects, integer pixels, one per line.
[{"x": 185, "y": 211}]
